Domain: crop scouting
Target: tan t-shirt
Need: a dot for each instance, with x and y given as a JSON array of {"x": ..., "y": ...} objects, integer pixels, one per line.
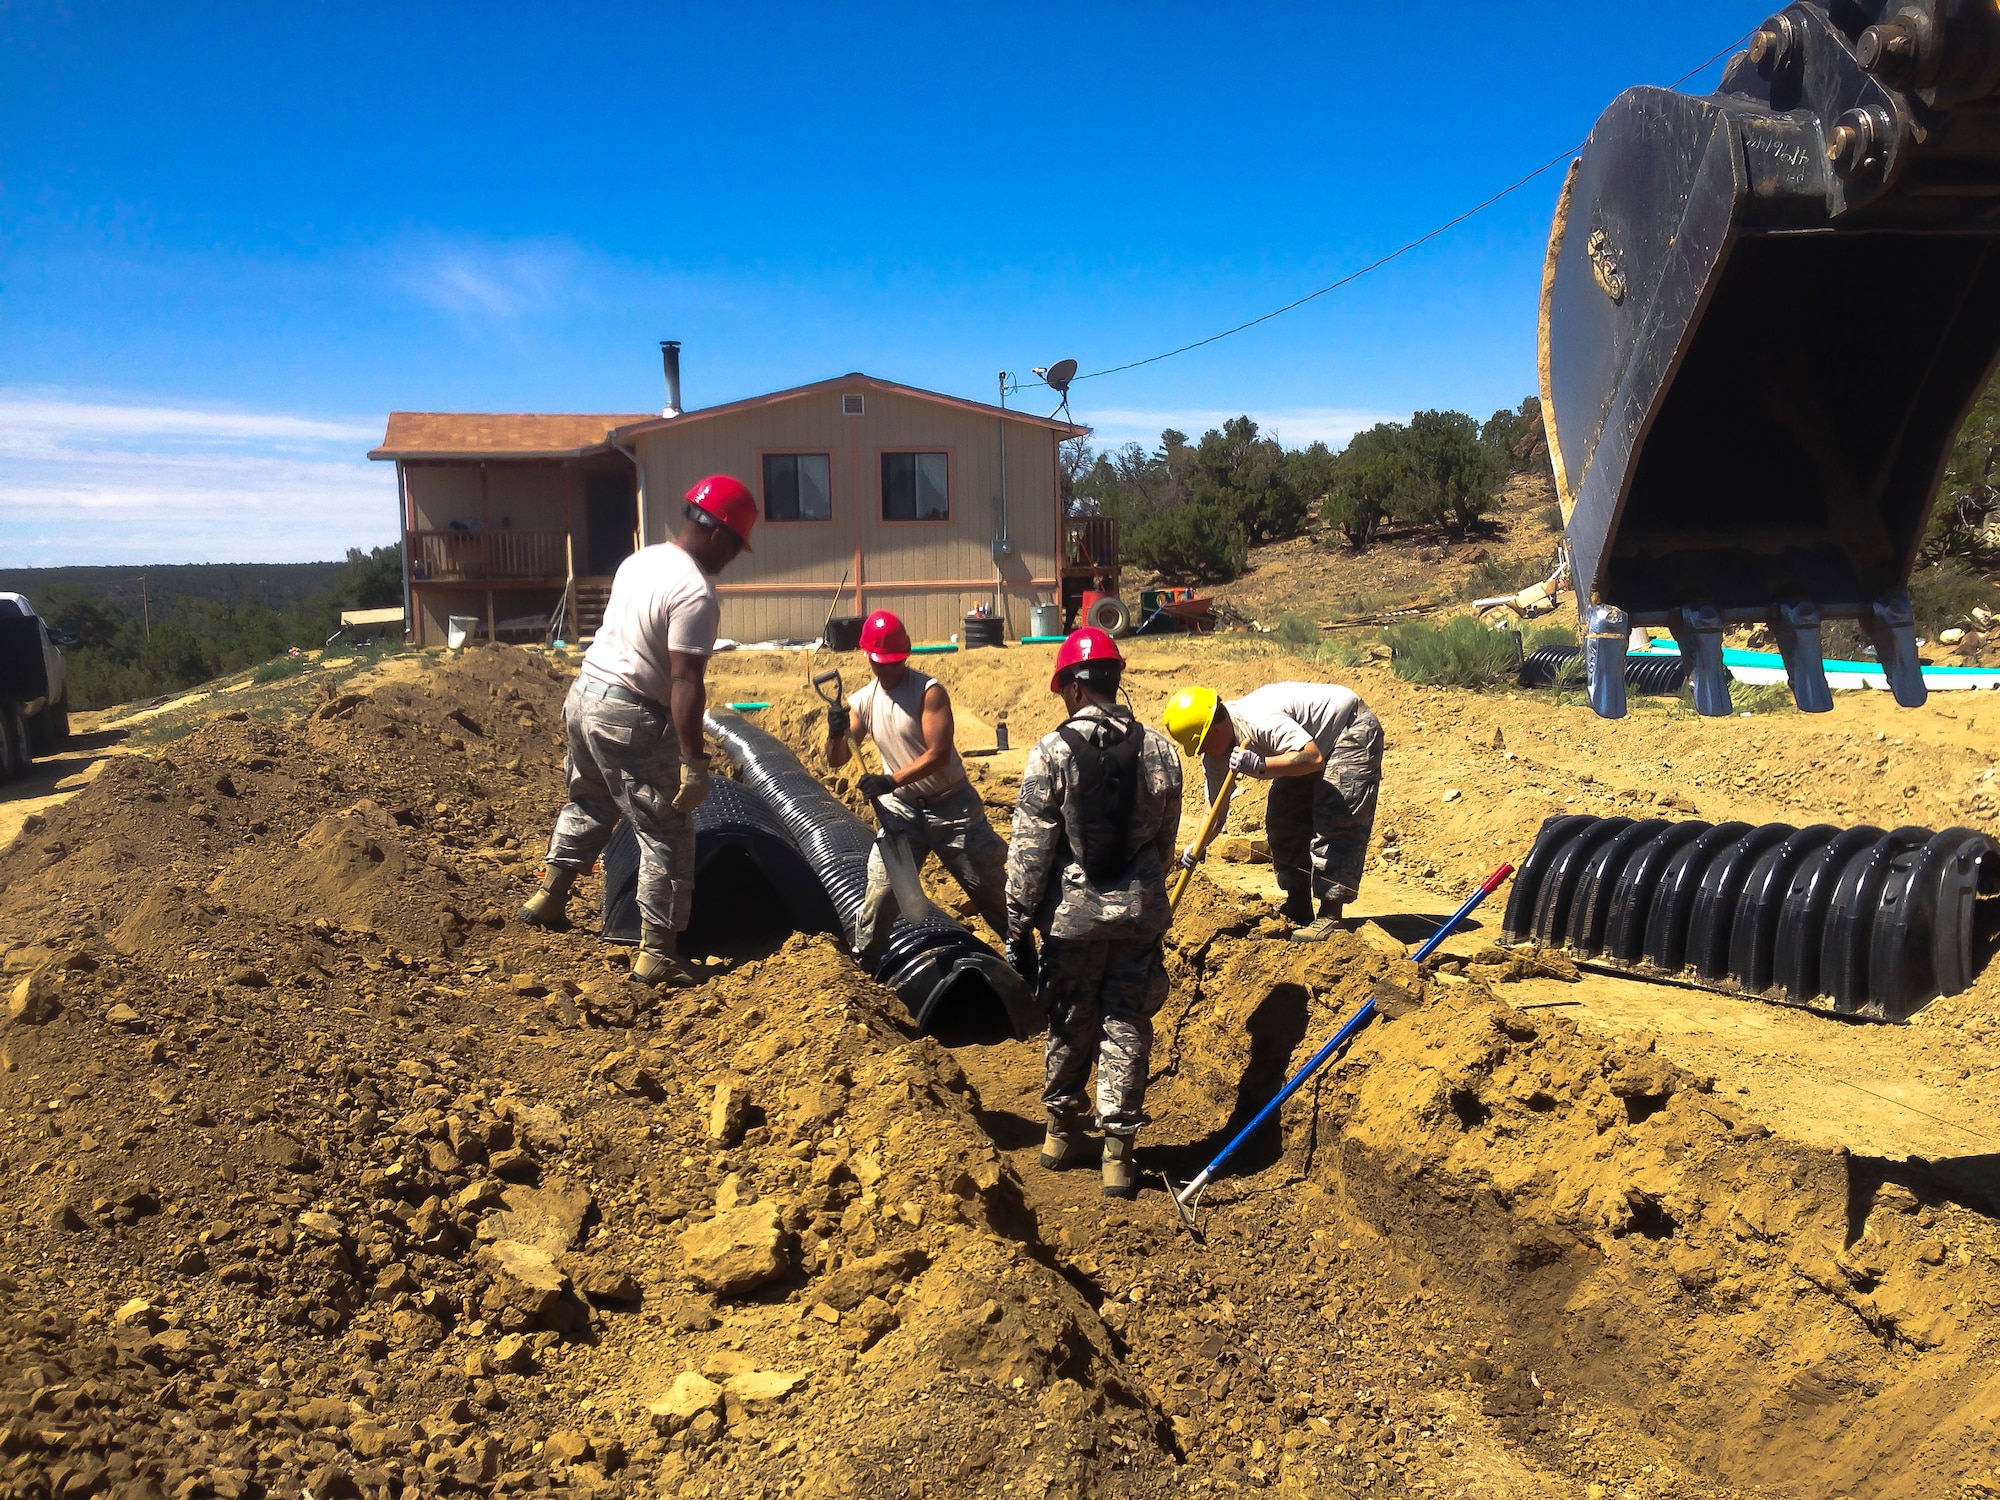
[
  {"x": 1284, "y": 717},
  {"x": 896, "y": 722},
  {"x": 661, "y": 601}
]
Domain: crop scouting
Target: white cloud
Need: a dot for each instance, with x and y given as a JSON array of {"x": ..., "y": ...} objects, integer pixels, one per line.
[
  {"x": 29, "y": 424},
  {"x": 496, "y": 283},
  {"x": 86, "y": 481},
  {"x": 1295, "y": 426}
]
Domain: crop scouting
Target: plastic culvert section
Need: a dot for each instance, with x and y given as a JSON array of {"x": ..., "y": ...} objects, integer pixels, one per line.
[
  {"x": 753, "y": 888},
  {"x": 1655, "y": 676},
  {"x": 946, "y": 977},
  {"x": 1862, "y": 921}
]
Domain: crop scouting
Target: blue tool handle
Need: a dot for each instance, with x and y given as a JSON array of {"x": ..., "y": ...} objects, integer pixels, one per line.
[{"x": 1346, "y": 1033}]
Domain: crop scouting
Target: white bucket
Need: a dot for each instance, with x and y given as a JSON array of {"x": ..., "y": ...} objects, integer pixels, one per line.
[
  {"x": 1045, "y": 619},
  {"x": 459, "y": 629}
]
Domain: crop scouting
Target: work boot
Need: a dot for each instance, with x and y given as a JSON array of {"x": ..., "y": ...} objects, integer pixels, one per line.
[
  {"x": 655, "y": 962},
  {"x": 1065, "y": 1145},
  {"x": 1321, "y": 927},
  {"x": 1297, "y": 908},
  {"x": 548, "y": 906},
  {"x": 1121, "y": 1175}
]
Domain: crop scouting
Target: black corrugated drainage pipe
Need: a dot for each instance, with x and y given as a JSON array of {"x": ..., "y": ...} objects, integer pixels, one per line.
[
  {"x": 946, "y": 977},
  {"x": 1656, "y": 676},
  {"x": 752, "y": 889},
  {"x": 1860, "y": 921}
]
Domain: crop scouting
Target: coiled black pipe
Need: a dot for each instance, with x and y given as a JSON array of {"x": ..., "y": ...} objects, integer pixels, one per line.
[
  {"x": 752, "y": 886},
  {"x": 1660, "y": 676},
  {"x": 1868, "y": 923},
  {"x": 942, "y": 972}
]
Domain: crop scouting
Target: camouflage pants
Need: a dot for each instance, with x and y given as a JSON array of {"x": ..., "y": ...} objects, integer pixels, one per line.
[
  {"x": 1318, "y": 826},
  {"x": 1101, "y": 998},
  {"x": 624, "y": 761},
  {"x": 954, "y": 828}
]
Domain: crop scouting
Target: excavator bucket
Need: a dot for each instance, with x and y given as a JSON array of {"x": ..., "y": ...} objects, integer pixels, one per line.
[{"x": 1764, "y": 315}]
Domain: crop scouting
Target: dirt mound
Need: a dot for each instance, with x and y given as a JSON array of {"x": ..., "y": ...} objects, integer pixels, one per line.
[{"x": 329, "y": 1178}]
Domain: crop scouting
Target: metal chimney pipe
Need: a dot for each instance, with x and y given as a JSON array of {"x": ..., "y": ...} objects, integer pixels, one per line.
[{"x": 670, "y": 359}]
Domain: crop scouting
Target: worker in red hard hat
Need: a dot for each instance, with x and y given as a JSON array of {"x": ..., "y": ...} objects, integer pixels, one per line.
[
  {"x": 922, "y": 797},
  {"x": 1094, "y": 829},
  {"x": 634, "y": 724}
]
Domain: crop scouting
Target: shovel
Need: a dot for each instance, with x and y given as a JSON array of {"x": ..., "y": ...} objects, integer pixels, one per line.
[
  {"x": 897, "y": 861},
  {"x": 1210, "y": 826}
]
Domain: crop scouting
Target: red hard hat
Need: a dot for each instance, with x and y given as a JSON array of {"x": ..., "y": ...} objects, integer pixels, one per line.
[
  {"x": 883, "y": 638},
  {"x": 728, "y": 501},
  {"x": 1086, "y": 645}
]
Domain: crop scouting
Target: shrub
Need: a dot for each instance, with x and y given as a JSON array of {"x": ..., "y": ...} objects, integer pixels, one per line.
[
  {"x": 281, "y": 667},
  {"x": 1946, "y": 594},
  {"x": 1295, "y": 629},
  {"x": 1492, "y": 577},
  {"x": 1552, "y": 516},
  {"x": 1538, "y": 637},
  {"x": 1342, "y": 651},
  {"x": 1463, "y": 653}
]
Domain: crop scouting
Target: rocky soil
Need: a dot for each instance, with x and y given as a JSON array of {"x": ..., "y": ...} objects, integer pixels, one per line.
[{"x": 326, "y": 1177}]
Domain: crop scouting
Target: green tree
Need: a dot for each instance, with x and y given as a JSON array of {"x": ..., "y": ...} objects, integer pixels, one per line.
[
  {"x": 1518, "y": 438},
  {"x": 1199, "y": 542},
  {"x": 1368, "y": 479},
  {"x": 1247, "y": 477},
  {"x": 1452, "y": 473}
]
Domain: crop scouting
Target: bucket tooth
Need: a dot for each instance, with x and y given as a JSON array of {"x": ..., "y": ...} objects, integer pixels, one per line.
[
  {"x": 1893, "y": 629},
  {"x": 1698, "y": 629},
  {"x": 1607, "y": 632},
  {"x": 1796, "y": 625}
]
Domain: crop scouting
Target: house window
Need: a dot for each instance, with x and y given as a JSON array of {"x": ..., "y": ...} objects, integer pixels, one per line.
[
  {"x": 915, "y": 487},
  {"x": 798, "y": 487}
]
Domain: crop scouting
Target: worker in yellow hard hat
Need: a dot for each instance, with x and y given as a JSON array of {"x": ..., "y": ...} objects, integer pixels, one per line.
[{"x": 1321, "y": 748}]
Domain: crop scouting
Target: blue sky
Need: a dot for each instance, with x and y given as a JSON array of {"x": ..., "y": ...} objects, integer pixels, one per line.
[{"x": 232, "y": 237}]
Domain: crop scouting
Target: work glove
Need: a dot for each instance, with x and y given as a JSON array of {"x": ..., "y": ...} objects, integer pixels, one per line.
[
  {"x": 1246, "y": 762},
  {"x": 693, "y": 790},
  {"x": 838, "y": 721},
  {"x": 1023, "y": 958},
  {"x": 1189, "y": 859},
  {"x": 875, "y": 786}
]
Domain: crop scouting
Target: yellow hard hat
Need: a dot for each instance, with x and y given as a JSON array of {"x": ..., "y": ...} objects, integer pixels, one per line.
[{"x": 1189, "y": 714}]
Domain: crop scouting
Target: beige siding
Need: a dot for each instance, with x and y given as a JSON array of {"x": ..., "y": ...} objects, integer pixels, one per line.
[
  {"x": 783, "y": 588},
  {"x": 530, "y": 496},
  {"x": 443, "y": 493}
]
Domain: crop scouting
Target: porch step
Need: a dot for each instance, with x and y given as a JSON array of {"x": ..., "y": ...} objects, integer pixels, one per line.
[{"x": 591, "y": 596}]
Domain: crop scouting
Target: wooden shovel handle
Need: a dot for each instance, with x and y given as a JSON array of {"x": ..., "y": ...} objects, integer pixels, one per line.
[{"x": 1210, "y": 826}]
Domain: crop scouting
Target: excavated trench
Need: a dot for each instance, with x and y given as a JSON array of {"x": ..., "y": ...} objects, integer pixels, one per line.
[{"x": 1575, "y": 1262}]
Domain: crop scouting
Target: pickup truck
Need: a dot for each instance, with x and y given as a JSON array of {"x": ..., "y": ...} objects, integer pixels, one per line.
[{"x": 34, "y": 691}]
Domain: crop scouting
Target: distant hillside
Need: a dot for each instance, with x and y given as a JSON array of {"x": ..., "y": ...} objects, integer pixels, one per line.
[
  {"x": 276, "y": 586},
  {"x": 197, "y": 621}
]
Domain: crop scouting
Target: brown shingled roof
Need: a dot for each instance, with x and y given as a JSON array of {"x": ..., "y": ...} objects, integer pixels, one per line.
[
  {"x": 854, "y": 381},
  {"x": 447, "y": 434}
]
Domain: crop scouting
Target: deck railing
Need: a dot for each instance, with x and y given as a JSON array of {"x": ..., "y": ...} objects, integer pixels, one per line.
[
  {"x": 488, "y": 556},
  {"x": 1090, "y": 543}
]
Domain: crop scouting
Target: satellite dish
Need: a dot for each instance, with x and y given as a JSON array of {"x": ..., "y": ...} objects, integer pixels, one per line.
[{"x": 1060, "y": 374}]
